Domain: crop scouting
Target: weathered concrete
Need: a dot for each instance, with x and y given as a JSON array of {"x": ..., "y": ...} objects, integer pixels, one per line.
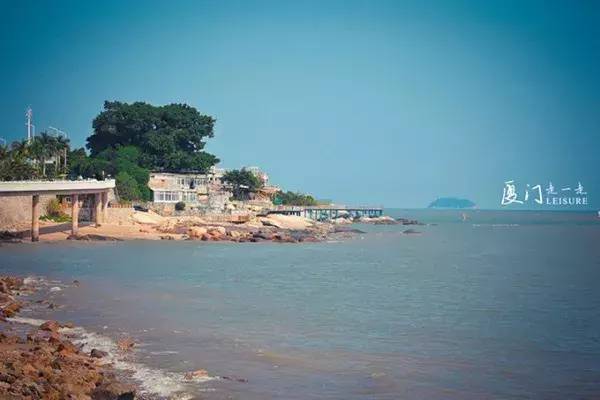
[
  {"x": 73, "y": 188},
  {"x": 35, "y": 218},
  {"x": 21, "y": 188},
  {"x": 74, "y": 214},
  {"x": 97, "y": 209}
]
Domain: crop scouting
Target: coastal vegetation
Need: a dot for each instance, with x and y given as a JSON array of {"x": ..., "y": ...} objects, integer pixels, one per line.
[
  {"x": 243, "y": 182},
  {"x": 44, "y": 157},
  {"x": 128, "y": 141},
  {"x": 294, "y": 199},
  {"x": 169, "y": 138}
]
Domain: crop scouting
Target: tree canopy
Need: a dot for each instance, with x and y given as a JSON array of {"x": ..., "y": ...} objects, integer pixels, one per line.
[
  {"x": 294, "y": 199},
  {"x": 42, "y": 158},
  {"x": 170, "y": 137},
  {"x": 243, "y": 182}
]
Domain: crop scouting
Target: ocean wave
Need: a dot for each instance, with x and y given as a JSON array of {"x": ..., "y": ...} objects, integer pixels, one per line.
[{"x": 152, "y": 381}]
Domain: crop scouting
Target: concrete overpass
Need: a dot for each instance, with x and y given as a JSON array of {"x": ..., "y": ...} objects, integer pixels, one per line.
[{"x": 70, "y": 188}]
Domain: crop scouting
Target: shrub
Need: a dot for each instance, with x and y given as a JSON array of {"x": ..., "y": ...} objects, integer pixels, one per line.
[
  {"x": 53, "y": 208},
  {"x": 180, "y": 206},
  {"x": 54, "y": 212}
]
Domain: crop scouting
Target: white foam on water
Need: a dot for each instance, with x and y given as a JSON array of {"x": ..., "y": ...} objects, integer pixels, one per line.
[
  {"x": 32, "y": 280},
  {"x": 26, "y": 321},
  {"x": 152, "y": 381}
]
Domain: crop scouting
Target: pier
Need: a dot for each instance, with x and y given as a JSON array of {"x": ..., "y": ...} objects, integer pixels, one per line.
[
  {"x": 327, "y": 213},
  {"x": 74, "y": 189}
]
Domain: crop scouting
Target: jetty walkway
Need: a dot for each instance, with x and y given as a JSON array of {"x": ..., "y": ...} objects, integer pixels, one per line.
[
  {"x": 74, "y": 189},
  {"x": 325, "y": 213}
]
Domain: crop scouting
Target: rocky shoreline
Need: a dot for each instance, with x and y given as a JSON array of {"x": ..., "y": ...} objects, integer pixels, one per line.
[
  {"x": 271, "y": 228},
  {"x": 44, "y": 363}
]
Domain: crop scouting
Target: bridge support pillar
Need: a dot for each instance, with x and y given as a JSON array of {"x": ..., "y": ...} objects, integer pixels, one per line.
[
  {"x": 35, "y": 218},
  {"x": 104, "y": 200},
  {"x": 74, "y": 214},
  {"x": 98, "y": 209}
]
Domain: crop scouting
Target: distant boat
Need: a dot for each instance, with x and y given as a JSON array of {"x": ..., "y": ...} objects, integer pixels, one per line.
[{"x": 466, "y": 217}]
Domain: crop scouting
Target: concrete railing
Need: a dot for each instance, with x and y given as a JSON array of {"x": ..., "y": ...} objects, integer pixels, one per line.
[{"x": 41, "y": 187}]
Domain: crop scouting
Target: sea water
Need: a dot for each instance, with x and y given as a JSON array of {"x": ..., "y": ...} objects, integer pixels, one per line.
[{"x": 489, "y": 305}]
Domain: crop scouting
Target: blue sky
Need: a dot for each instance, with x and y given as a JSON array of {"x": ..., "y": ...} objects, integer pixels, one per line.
[{"x": 392, "y": 103}]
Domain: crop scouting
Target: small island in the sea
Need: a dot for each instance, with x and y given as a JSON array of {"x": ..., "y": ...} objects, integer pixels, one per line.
[{"x": 451, "y": 202}]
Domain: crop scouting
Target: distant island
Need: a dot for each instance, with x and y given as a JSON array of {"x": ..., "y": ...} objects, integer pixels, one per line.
[{"x": 451, "y": 202}]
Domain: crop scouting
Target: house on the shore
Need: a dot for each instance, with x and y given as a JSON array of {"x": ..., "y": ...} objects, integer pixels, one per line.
[{"x": 206, "y": 192}]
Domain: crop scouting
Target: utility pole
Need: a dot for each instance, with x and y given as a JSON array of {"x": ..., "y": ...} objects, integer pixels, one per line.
[{"x": 30, "y": 126}]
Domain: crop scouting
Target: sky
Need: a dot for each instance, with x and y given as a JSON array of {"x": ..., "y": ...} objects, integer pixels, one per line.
[{"x": 362, "y": 102}]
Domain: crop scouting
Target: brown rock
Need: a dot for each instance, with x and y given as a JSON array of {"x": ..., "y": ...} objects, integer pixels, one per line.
[
  {"x": 98, "y": 353},
  {"x": 218, "y": 231},
  {"x": 125, "y": 344},
  {"x": 113, "y": 391},
  {"x": 51, "y": 326},
  {"x": 199, "y": 373},
  {"x": 197, "y": 232},
  {"x": 11, "y": 309}
]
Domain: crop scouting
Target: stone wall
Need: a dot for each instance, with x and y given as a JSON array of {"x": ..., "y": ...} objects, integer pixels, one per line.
[{"x": 15, "y": 211}]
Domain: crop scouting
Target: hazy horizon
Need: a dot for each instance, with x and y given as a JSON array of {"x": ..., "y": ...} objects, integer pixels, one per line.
[{"x": 363, "y": 103}]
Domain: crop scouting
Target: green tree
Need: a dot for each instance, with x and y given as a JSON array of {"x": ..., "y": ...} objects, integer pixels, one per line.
[
  {"x": 15, "y": 163},
  {"x": 127, "y": 187},
  {"x": 170, "y": 137},
  {"x": 42, "y": 148},
  {"x": 294, "y": 199},
  {"x": 242, "y": 182},
  {"x": 62, "y": 150}
]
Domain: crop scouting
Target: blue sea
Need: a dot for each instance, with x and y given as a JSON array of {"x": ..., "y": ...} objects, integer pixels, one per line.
[{"x": 489, "y": 305}]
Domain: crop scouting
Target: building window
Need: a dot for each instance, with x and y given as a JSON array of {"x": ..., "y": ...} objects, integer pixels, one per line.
[
  {"x": 166, "y": 197},
  {"x": 190, "y": 197}
]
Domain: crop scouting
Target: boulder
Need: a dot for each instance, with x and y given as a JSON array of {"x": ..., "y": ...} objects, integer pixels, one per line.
[
  {"x": 196, "y": 232},
  {"x": 113, "y": 391},
  {"x": 11, "y": 309},
  {"x": 216, "y": 230},
  {"x": 199, "y": 373},
  {"x": 98, "y": 353},
  {"x": 50, "y": 326},
  {"x": 147, "y": 218},
  {"x": 287, "y": 221},
  {"x": 235, "y": 234}
]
